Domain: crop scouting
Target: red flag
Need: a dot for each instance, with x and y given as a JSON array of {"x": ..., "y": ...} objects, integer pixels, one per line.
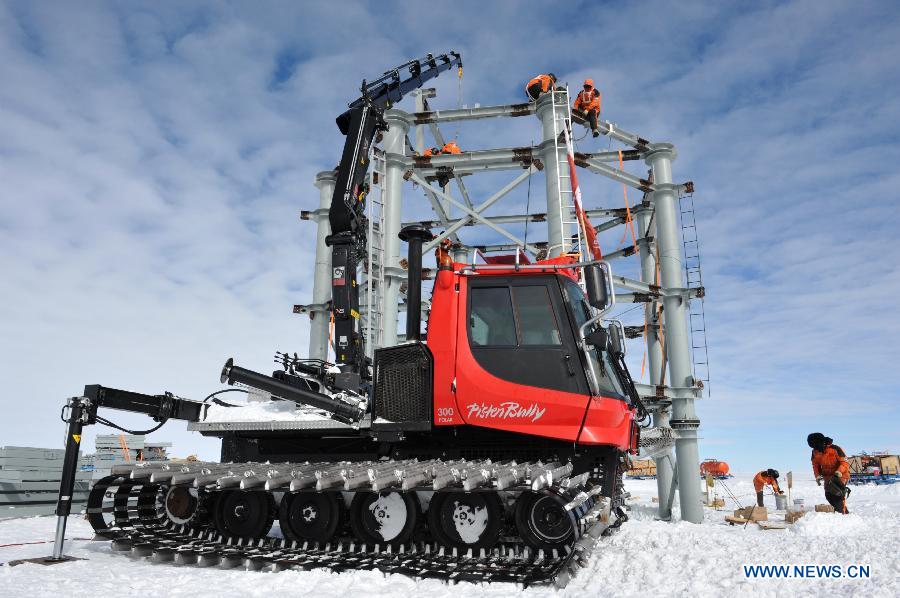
[{"x": 590, "y": 235}]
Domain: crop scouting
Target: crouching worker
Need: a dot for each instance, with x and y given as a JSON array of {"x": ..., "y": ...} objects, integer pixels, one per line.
[
  {"x": 540, "y": 85},
  {"x": 830, "y": 466},
  {"x": 588, "y": 103},
  {"x": 766, "y": 476}
]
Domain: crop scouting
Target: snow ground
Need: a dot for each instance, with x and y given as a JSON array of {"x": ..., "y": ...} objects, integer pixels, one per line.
[{"x": 646, "y": 558}]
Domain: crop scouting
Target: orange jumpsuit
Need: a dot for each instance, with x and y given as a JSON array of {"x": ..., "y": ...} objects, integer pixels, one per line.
[
  {"x": 761, "y": 479},
  {"x": 588, "y": 99},
  {"x": 538, "y": 85},
  {"x": 832, "y": 463},
  {"x": 451, "y": 148},
  {"x": 588, "y": 102}
]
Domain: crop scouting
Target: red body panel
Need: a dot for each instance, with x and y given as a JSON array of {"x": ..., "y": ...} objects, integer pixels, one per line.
[{"x": 466, "y": 394}]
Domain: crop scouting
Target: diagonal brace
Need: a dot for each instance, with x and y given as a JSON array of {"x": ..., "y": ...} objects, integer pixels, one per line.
[{"x": 471, "y": 212}]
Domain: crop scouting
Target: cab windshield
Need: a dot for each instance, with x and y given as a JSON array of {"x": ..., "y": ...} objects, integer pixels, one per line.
[{"x": 608, "y": 379}]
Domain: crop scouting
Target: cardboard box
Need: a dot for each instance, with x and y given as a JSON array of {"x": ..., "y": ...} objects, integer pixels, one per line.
[
  {"x": 793, "y": 515},
  {"x": 824, "y": 509},
  {"x": 716, "y": 503},
  {"x": 890, "y": 464},
  {"x": 752, "y": 513}
]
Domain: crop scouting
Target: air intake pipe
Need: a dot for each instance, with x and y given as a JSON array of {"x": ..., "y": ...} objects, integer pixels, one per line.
[
  {"x": 343, "y": 412},
  {"x": 415, "y": 235}
]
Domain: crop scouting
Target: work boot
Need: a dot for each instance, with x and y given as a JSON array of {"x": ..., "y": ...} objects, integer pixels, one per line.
[{"x": 596, "y": 133}]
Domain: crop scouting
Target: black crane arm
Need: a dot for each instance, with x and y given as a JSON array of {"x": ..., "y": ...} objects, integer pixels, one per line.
[{"x": 346, "y": 215}]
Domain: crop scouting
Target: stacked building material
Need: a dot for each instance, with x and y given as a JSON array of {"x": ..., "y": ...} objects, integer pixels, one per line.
[
  {"x": 115, "y": 449},
  {"x": 29, "y": 481},
  {"x": 642, "y": 469}
]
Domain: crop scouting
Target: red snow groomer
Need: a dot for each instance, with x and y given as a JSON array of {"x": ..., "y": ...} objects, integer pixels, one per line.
[{"x": 492, "y": 450}]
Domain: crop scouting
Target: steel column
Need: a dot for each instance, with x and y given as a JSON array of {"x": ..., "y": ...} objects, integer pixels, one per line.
[
  {"x": 318, "y": 320},
  {"x": 554, "y": 152},
  {"x": 677, "y": 341},
  {"x": 394, "y": 148},
  {"x": 665, "y": 478}
]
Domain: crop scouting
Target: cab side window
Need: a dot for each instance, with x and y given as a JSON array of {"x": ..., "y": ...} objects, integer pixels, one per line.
[
  {"x": 537, "y": 322},
  {"x": 491, "y": 322}
]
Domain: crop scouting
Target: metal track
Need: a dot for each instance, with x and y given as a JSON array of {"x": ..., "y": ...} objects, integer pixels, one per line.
[{"x": 139, "y": 525}]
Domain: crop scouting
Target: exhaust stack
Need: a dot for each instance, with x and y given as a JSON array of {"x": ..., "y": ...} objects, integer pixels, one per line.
[{"x": 415, "y": 235}]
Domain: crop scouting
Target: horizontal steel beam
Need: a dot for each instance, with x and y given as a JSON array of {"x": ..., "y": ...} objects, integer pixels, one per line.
[
  {"x": 667, "y": 393},
  {"x": 449, "y": 165},
  {"x": 480, "y": 112},
  {"x": 612, "y": 131}
]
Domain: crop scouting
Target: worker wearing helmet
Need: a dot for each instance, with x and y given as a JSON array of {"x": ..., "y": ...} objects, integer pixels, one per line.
[
  {"x": 829, "y": 463},
  {"x": 432, "y": 151},
  {"x": 766, "y": 476},
  {"x": 540, "y": 85},
  {"x": 588, "y": 102}
]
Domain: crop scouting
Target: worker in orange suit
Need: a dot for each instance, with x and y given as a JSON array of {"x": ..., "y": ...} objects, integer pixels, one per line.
[
  {"x": 451, "y": 148},
  {"x": 432, "y": 151},
  {"x": 829, "y": 463},
  {"x": 588, "y": 102},
  {"x": 766, "y": 476},
  {"x": 540, "y": 85}
]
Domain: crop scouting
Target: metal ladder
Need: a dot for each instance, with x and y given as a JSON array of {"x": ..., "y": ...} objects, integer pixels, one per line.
[
  {"x": 562, "y": 119},
  {"x": 694, "y": 277},
  {"x": 373, "y": 310}
]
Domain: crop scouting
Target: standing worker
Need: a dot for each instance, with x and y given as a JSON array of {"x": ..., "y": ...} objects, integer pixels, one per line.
[
  {"x": 588, "y": 101},
  {"x": 766, "y": 476},
  {"x": 540, "y": 85},
  {"x": 829, "y": 463}
]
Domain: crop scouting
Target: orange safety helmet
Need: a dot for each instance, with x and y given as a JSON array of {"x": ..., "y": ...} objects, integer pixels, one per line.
[{"x": 588, "y": 82}]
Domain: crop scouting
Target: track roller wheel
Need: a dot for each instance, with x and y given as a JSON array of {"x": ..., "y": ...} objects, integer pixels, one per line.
[
  {"x": 542, "y": 520},
  {"x": 100, "y": 506},
  {"x": 313, "y": 516},
  {"x": 244, "y": 514},
  {"x": 384, "y": 517},
  {"x": 465, "y": 519},
  {"x": 181, "y": 503}
]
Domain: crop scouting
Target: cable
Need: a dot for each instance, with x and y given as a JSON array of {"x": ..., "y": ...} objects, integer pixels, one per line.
[
  {"x": 106, "y": 422},
  {"x": 224, "y": 390}
]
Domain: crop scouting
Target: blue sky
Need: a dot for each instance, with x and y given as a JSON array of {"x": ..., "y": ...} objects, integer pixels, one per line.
[{"x": 154, "y": 157}]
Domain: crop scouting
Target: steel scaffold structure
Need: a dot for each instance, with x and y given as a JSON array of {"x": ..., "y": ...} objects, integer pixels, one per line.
[{"x": 662, "y": 288}]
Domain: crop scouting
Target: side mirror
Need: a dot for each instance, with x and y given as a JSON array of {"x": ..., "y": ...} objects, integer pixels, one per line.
[
  {"x": 598, "y": 338},
  {"x": 617, "y": 337},
  {"x": 598, "y": 283}
]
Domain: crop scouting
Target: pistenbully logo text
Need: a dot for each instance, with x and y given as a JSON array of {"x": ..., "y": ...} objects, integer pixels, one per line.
[{"x": 507, "y": 410}]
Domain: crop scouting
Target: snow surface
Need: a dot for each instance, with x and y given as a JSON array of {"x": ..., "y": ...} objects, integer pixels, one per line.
[
  {"x": 263, "y": 412},
  {"x": 646, "y": 558}
]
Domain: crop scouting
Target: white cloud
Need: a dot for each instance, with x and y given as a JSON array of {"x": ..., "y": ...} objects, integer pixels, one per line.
[{"x": 151, "y": 174}]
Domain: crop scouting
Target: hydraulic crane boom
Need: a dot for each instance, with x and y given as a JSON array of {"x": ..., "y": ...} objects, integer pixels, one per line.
[{"x": 347, "y": 213}]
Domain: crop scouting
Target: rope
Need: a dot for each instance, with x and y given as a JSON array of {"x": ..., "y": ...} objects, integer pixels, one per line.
[
  {"x": 629, "y": 221},
  {"x": 42, "y": 542}
]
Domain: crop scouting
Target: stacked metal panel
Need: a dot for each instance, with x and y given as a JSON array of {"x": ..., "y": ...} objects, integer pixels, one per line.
[
  {"x": 115, "y": 449},
  {"x": 29, "y": 481}
]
